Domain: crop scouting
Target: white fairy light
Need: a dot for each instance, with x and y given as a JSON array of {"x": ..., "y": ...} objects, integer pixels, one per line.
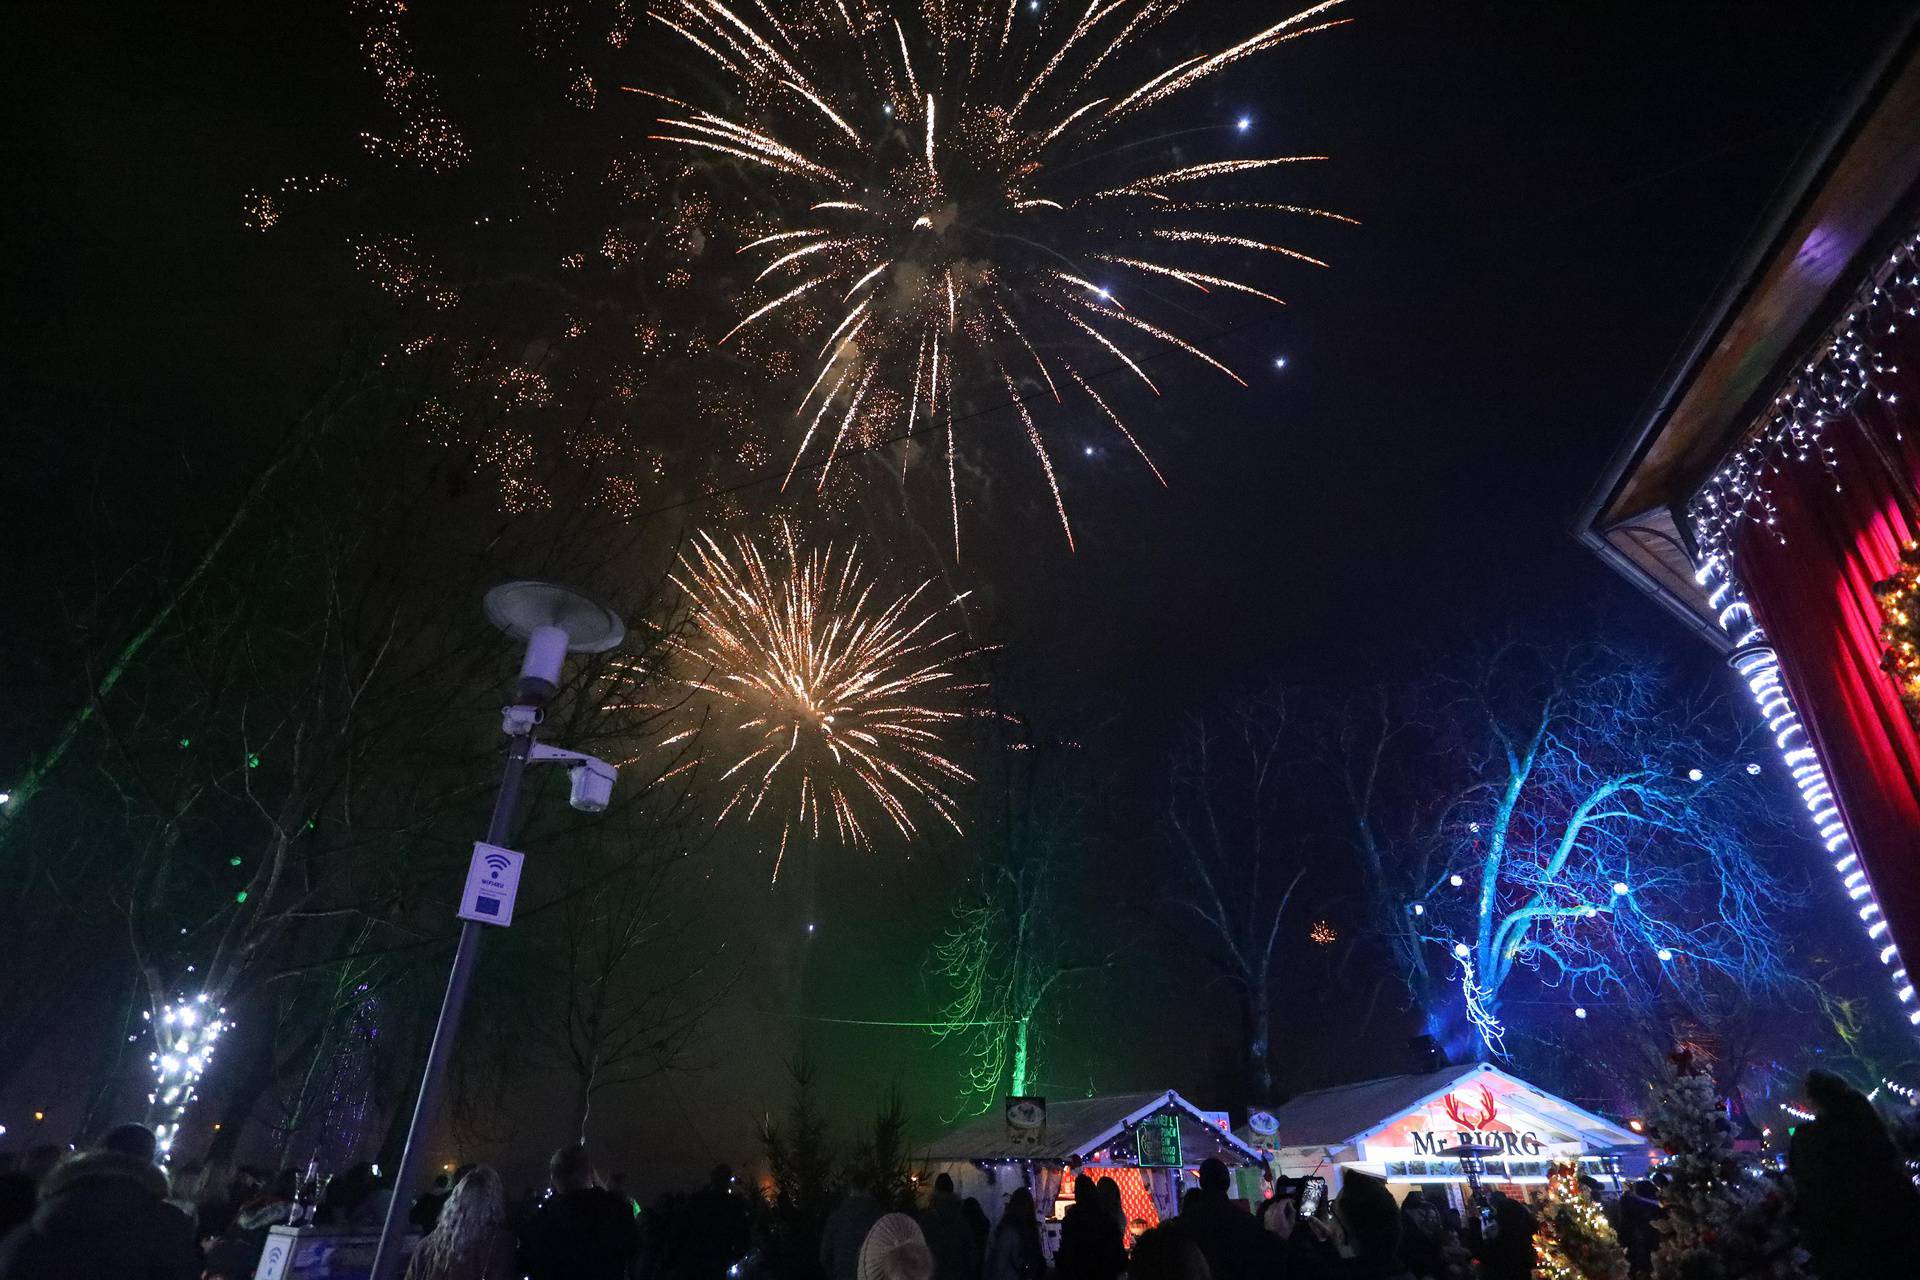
[
  {"x": 1756, "y": 663},
  {"x": 185, "y": 1044}
]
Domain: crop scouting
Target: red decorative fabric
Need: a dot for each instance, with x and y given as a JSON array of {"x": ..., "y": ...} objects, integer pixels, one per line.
[{"x": 1809, "y": 577}]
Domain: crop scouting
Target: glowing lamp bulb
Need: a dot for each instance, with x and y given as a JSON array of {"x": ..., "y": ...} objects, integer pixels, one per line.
[
  {"x": 1243, "y": 124},
  {"x": 1664, "y": 954},
  {"x": 1419, "y": 908},
  {"x": 1620, "y": 889},
  {"x": 1580, "y": 1012},
  {"x": 1753, "y": 768},
  {"x": 1462, "y": 950},
  {"x": 1455, "y": 880},
  {"x": 1695, "y": 774},
  {"x": 5, "y": 796},
  {"x": 1279, "y": 362}
]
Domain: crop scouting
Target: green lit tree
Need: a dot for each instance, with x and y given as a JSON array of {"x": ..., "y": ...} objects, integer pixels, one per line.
[{"x": 1015, "y": 939}]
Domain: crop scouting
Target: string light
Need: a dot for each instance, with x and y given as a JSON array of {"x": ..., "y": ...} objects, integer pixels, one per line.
[
  {"x": 1492, "y": 1032},
  {"x": 1754, "y": 660},
  {"x": 1899, "y": 601},
  {"x": 1829, "y": 388},
  {"x": 183, "y": 1047}
]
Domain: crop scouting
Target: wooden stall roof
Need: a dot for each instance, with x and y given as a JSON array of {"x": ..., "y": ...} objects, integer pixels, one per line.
[
  {"x": 1076, "y": 1128},
  {"x": 1352, "y": 1113},
  {"x": 1853, "y": 195}
]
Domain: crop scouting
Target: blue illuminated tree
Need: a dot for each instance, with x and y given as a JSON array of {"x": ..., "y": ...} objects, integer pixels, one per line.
[{"x": 1563, "y": 816}]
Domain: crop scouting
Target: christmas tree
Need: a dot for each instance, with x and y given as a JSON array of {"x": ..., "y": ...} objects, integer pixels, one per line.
[
  {"x": 1723, "y": 1222},
  {"x": 1575, "y": 1241}
]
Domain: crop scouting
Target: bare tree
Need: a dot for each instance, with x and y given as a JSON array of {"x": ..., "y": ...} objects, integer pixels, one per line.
[
  {"x": 1015, "y": 939},
  {"x": 1234, "y": 856},
  {"x": 624, "y": 985},
  {"x": 1561, "y": 814}
]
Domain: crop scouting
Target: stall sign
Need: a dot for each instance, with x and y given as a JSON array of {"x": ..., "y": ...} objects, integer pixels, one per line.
[
  {"x": 1026, "y": 1121},
  {"x": 1483, "y": 1118},
  {"x": 1156, "y": 1143}
]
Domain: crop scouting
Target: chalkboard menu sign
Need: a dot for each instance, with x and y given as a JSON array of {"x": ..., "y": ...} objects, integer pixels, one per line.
[{"x": 1156, "y": 1143}]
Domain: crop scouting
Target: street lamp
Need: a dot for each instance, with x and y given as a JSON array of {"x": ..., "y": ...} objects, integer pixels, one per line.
[{"x": 552, "y": 621}]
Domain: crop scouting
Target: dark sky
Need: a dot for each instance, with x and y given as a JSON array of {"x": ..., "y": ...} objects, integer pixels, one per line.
[{"x": 1549, "y": 194}]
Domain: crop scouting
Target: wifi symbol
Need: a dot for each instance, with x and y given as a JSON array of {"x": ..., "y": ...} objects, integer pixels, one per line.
[{"x": 497, "y": 863}]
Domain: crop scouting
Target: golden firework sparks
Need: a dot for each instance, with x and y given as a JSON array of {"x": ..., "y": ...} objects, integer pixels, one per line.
[
  {"x": 931, "y": 163},
  {"x": 820, "y": 700}
]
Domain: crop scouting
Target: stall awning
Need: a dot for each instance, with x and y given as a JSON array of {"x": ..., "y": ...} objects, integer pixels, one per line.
[
  {"x": 1348, "y": 1115},
  {"x": 1076, "y": 1128}
]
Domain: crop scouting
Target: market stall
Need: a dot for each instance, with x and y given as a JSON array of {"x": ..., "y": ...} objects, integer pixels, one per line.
[
  {"x": 1402, "y": 1129},
  {"x": 1150, "y": 1144}
]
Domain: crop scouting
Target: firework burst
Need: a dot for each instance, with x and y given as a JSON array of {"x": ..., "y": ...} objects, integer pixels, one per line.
[
  {"x": 961, "y": 194},
  {"x": 821, "y": 699}
]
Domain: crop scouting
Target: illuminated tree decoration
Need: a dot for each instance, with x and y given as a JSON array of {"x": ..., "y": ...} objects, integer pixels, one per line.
[
  {"x": 1575, "y": 1241},
  {"x": 183, "y": 1048},
  {"x": 1723, "y": 1222},
  {"x": 1899, "y": 600},
  {"x": 965, "y": 195},
  {"x": 821, "y": 698},
  {"x": 1480, "y": 1008}
]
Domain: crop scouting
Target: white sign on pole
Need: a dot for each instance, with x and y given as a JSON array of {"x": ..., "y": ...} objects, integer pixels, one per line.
[{"x": 493, "y": 877}]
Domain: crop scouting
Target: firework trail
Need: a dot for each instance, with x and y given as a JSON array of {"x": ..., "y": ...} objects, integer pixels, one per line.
[
  {"x": 820, "y": 698},
  {"x": 967, "y": 193}
]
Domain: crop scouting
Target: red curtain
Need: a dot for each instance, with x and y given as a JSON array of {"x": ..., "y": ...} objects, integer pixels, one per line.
[{"x": 1810, "y": 580}]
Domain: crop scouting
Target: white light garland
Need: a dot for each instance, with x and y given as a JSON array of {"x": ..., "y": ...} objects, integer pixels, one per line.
[
  {"x": 1757, "y": 664},
  {"x": 183, "y": 1048},
  {"x": 1828, "y": 388},
  {"x": 1492, "y": 1032}
]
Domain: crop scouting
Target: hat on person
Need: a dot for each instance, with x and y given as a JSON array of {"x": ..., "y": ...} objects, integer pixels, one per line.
[
  {"x": 895, "y": 1250},
  {"x": 134, "y": 1140}
]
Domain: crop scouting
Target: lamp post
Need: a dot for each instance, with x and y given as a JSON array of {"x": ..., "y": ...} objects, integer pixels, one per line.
[{"x": 552, "y": 621}]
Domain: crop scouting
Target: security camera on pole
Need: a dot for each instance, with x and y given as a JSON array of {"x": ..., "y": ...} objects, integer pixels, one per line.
[{"x": 553, "y": 621}]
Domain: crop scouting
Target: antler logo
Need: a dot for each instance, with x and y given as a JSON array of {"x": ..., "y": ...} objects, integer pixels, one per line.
[{"x": 1468, "y": 1119}]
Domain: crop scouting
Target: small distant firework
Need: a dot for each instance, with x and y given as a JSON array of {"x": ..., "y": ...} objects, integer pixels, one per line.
[
  {"x": 941, "y": 219},
  {"x": 1323, "y": 934},
  {"x": 821, "y": 699}
]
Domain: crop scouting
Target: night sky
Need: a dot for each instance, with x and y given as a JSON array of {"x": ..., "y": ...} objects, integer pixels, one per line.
[{"x": 1549, "y": 193}]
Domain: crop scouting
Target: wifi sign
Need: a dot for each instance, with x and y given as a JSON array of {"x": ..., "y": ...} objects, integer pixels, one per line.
[{"x": 493, "y": 879}]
